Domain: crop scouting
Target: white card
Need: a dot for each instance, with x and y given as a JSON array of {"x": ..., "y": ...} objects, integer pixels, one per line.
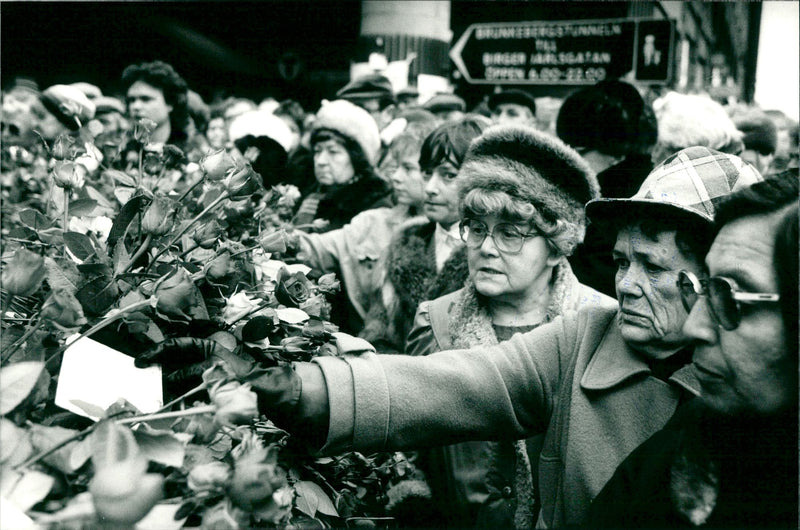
[{"x": 95, "y": 374}]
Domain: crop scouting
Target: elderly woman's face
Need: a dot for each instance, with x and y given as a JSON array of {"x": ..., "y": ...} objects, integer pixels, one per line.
[
  {"x": 509, "y": 276},
  {"x": 651, "y": 312},
  {"x": 332, "y": 163}
]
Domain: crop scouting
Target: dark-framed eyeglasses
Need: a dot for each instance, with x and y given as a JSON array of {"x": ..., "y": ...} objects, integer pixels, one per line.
[
  {"x": 506, "y": 237},
  {"x": 724, "y": 297}
]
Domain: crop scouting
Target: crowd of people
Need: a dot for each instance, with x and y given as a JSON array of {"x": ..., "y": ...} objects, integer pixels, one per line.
[{"x": 588, "y": 321}]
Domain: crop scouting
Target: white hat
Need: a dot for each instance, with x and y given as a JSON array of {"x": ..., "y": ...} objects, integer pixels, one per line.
[{"x": 261, "y": 123}]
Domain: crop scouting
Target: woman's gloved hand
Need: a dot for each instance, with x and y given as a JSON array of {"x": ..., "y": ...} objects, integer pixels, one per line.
[{"x": 184, "y": 360}]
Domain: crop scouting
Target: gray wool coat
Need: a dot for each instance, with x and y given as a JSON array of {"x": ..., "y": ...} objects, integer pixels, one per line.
[
  {"x": 462, "y": 320},
  {"x": 574, "y": 379}
]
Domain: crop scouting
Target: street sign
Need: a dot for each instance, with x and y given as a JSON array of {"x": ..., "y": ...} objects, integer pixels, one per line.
[{"x": 566, "y": 52}]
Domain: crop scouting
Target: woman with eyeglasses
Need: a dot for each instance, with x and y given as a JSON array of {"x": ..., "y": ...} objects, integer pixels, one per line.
[
  {"x": 596, "y": 382},
  {"x": 520, "y": 219}
]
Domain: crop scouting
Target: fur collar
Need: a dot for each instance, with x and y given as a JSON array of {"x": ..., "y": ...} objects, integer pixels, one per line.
[
  {"x": 411, "y": 265},
  {"x": 471, "y": 324}
]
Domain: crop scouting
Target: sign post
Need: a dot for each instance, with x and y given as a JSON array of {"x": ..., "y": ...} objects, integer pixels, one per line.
[{"x": 576, "y": 52}]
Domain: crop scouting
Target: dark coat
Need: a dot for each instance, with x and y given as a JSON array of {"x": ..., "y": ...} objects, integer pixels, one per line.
[
  {"x": 338, "y": 204},
  {"x": 703, "y": 469}
]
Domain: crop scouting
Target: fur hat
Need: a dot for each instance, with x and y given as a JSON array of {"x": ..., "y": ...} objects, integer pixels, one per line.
[
  {"x": 515, "y": 96},
  {"x": 69, "y": 105},
  {"x": 258, "y": 123},
  {"x": 353, "y": 122},
  {"x": 531, "y": 166},
  {"x": 689, "y": 184}
]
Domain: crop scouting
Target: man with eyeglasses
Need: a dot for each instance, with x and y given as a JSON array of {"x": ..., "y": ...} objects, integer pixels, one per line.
[{"x": 728, "y": 459}]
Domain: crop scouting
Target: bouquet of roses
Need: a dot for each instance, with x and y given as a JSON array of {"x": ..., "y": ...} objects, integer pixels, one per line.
[{"x": 139, "y": 247}]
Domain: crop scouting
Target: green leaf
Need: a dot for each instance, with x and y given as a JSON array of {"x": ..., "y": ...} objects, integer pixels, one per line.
[
  {"x": 125, "y": 216},
  {"x": 15, "y": 443},
  {"x": 103, "y": 205},
  {"x": 16, "y": 382},
  {"x": 44, "y": 437},
  {"x": 57, "y": 278},
  {"x": 312, "y": 499},
  {"x": 83, "y": 207},
  {"x": 79, "y": 244},
  {"x": 81, "y": 452},
  {"x": 51, "y": 236},
  {"x": 160, "y": 446},
  {"x": 33, "y": 219},
  {"x": 89, "y": 408},
  {"x": 26, "y": 489},
  {"x": 121, "y": 257},
  {"x": 121, "y": 177},
  {"x": 97, "y": 295}
]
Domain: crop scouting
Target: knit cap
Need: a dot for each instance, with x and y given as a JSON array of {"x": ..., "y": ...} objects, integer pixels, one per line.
[
  {"x": 531, "y": 166},
  {"x": 69, "y": 105},
  {"x": 689, "y": 184},
  {"x": 353, "y": 122}
]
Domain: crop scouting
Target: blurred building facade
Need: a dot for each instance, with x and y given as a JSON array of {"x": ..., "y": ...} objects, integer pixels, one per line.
[{"x": 309, "y": 49}]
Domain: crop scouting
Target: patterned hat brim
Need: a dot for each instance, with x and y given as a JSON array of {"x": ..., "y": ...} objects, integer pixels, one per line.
[{"x": 605, "y": 210}]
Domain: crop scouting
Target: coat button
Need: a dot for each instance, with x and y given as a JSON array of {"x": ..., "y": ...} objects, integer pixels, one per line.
[{"x": 508, "y": 492}]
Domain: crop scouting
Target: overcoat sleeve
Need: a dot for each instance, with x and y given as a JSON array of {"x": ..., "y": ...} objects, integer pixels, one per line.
[{"x": 398, "y": 402}]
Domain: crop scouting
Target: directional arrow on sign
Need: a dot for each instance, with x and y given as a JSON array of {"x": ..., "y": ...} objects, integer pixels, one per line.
[{"x": 455, "y": 53}]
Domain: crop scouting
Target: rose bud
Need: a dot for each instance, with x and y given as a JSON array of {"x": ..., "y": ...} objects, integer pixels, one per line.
[
  {"x": 176, "y": 292},
  {"x": 216, "y": 165},
  {"x": 317, "y": 225},
  {"x": 292, "y": 289},
  {"x": 236, "y": 403},
  {"x": 172, "y": 156},
  {"x": 242, "y": 183},
  {"x": 62, "y": 147},
  {"x": 159, "y": 217},
  {"x": 152, "y": 163},
  {"x": 254, "y": 484},
  {"x": 142, "y": 130},
  {"x": 69, "y": 175},
  {"x": 274, "y": 241},
  {"x": 219, "y": 267},
  {"x": 237, "y": 306},
  {"x": 122, "y": 499},
  {"x": 62, "y": 310},
  {"x": 207, "y": 235},
  {"x": 209, "y": 476},
  {"x": 328, "y": 283},
  {"x": 24, "y": 273}
]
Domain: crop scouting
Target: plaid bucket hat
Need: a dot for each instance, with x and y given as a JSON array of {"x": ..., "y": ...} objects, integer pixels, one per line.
[{"x": 688, "y": 184}]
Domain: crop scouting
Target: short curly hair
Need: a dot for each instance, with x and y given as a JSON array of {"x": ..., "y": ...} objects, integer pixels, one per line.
[{"x": 163, "y": 76}]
